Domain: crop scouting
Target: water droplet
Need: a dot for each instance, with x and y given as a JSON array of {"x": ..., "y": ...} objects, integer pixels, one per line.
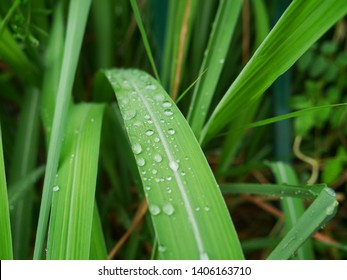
[
  {"x": 168, "y": 209},
  {"x": 171, "y": 131},
  {"x": 157, "y": 158},
  {"x": 157, "y": 180},
  {"x": 183, "y": 173},
  {"x": 154, "y": 171},
  {"x": 141, "y": 162},
  {"x": 137, "y": 148},
  {"x": 147, "y": 117},
  {"x": 151, "y": 87},
  {"x": 147, "y": 188},
  {"x": 92, "y": 120},
  {"x": 159, "y": 97},
  {"x": 154, "y": 209},
  {"x": 173, "y": 165},
  {"x": 168, "y": 112},
  {"x": 221, "y": 61},
  {"x": 156, "y": 139},
  {"x": 167, "y": 104},
  {"x": 129, "y": 114},
  {"x": 149, "y": 132},
  {"x": 197, "y": 209},
  {"x": 161, "y": 248},
  {"x": 207, "y": 208},
  {"x": 56, "y": 188},
  {"x": 169, "y": 178},
  {"x": 168, "y": 190}
]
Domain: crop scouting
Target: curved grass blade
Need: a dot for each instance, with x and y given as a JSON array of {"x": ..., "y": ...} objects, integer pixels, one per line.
[
  {"x": 5, "y": 226},
  {"x": 299, "y": 27},
  {"x": 189, "y": 214},
  {"x": 78, "y": 14},
  {"x": 73, "y": 197}
]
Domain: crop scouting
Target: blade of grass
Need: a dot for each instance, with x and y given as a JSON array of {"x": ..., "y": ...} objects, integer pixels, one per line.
[
  {"x": 98, "y": 249},
  {"x": 278, "y": 190},
  {"x": 218, "y": 45},
  {"x": 70, "y": 228},
  {"x": 144, "y": 37},
  {"x": 5, "y": 225},
  {"x": 20, "y": 188},
  {"x": 299, "y": 27},
  {"x": 78, "y": 13},
  {"x": 24, "y": 161},
  {"x": 320, "y": 211},
  {"x": 189, "y": 214},
  {"x": 53, "y": 62},
  {"x": 317, "y": 215},
  {"x": 293, "y": 208},
  {"x": 262, "y": 21}
]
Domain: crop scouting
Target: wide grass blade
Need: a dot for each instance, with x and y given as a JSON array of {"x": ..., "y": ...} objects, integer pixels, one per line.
[
  {"x": 222, "y": 32},
  {"x": 74, "y": 190},
  {"x": 5, "y": 226},
  {"x": 78, "y": 13},
  {"x": 299, "y": 27},
  {"x": 189, "y": 214}
]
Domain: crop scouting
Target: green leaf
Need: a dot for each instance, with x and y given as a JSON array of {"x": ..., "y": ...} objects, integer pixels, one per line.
[
  {"x": 299, "y": 27},
  {"x": 189, "y": 215},
  {"x": 70, "y": 226},
  {"x": 218, "y": 46},
  {"x": 5, "y": 227},
  {"x": 78, "y": 13}
]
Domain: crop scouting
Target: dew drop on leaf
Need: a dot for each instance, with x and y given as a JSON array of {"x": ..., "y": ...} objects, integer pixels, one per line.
[
  {"x": 167, "y": 104},
  {"x": 129, "y": 114},
  {"x": 157, "y": 158},
  {"x": 171, "y": 131},
  {"x": 141, "y": 162},
  {"x": 137, "y": 148},
  {"x": 56, "y": 188},
  {"x": 161, "y": 248},
  {"x": 168, "y": 112},
  {"x": 149, "y": 132},
  {"x": 168, "y": 209},
  {"x": 154, "y": 209}
]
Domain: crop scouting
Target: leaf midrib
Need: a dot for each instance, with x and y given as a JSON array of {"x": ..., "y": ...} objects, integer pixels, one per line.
[{"x": 188, "y": 208}]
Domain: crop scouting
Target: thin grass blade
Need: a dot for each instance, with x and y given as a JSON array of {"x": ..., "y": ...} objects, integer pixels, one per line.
[
  {"x": 78, "y": 13},
  {"x": 218, "y": 45},
  {"x": 5, "y": 225}
]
